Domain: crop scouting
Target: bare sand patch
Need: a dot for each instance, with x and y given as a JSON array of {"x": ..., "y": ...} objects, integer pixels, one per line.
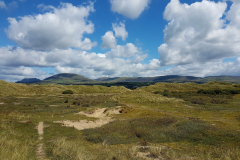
[
  {"x": 189, "y": 106},
  {"x": 40, "y": 151},
  {"x": 85, "y": 124},
  {"x": 26, "y": 121},
  {"x": 53, "y": 105},
  {"x": 1, "y": 102},
  {"x": 40, "y": 130},
  {"x": 147, "y": 155},
  {"x": 102, "y": 113}
]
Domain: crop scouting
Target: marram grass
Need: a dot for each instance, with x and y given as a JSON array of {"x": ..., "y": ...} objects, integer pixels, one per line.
[{"x": 171, "y": 120}]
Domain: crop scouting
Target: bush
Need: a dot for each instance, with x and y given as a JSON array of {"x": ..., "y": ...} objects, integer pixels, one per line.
[
  {"x": 235, "y": 91},
  {"x": 67, "y": 92},
  {"x": 218, "y": 101},
  {"x": 202, "y": 91},
  {"x": 218, "y": 91},
  {"x": 198, "y": 100}
]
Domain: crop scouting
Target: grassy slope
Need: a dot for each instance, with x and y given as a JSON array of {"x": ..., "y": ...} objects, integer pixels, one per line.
[
  {"x": 66, "y": 78},
  {"x": 148, "y": 118},
  {"x": 172, "y": 78}
]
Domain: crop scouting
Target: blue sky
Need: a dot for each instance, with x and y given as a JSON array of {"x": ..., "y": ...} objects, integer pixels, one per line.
[{"x": 115, "y": 38}]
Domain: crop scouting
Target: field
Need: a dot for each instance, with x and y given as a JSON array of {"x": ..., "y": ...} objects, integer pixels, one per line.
[{"x": 186, "y": 121}]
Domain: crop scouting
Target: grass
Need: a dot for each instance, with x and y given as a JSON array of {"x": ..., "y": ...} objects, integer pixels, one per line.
[
  {"x": 173, "y": 120},
  {"x": 17, "y": 141}
]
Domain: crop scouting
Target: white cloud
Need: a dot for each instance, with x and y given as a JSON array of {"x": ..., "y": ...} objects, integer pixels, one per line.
[
  {"x": 127, "y": 50},
  {"x": 109, "y": 41},
  {"x": 2, "y": 4},
  {"x": 13, "y": 5},
  {"x": 197, "y": 33},
  {"x": 19, "y": 63},
  {"x": 120, "y": 30},
  {"x": 13, "y": 74},
  {"x": 207, "y": 69},
  {"x": 129, "y": 8},
  {"x": 91, "y": 65},
  {"x": 61, "y": 27}
]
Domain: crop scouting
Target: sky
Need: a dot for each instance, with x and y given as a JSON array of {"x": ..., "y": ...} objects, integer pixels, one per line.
[{"x": 119, "y": 38}]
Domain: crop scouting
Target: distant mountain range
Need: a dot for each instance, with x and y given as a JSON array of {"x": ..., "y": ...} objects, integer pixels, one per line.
[
  {"x": 69, "y": 78},
  {"x": 29, "y": 80}
]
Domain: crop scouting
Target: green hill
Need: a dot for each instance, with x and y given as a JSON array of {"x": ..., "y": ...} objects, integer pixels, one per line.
[
  {"x": 231, "y": 79},
  {"x": 169, "y": 78},
  {"x": 67, "y": 78}
]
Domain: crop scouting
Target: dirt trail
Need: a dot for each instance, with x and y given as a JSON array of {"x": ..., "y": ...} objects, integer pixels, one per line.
[
  {"x": 102, "y": 114},
  {"x": 40, "y": 152}
]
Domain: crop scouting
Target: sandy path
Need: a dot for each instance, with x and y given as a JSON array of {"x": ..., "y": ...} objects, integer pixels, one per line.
[
  {"x": 40, "y": 152},
  {"x": 101, "y": 113}
]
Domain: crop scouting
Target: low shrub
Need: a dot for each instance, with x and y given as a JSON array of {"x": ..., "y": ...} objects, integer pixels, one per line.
[
  {"x": 218, "y": 101},
  {"x": 67, "y": 92},
  {"x": 218, "y": 91},
  {"x": 198, "y": 100}
]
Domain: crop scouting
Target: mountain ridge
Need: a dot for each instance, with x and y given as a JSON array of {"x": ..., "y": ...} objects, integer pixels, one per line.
[{"x": 71, "y": 78}]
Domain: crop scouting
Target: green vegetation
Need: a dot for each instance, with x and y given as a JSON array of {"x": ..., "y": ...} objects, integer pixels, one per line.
[
  {"x": 168, "y": 120},
  {"x": 67, "y": 92},
  {"x": 128, "y": 82}
]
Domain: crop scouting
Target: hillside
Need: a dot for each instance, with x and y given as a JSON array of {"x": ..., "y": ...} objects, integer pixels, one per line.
[
  {"x": 66, "y": 78},
  {"x": 29, "y": 80},
  {"x": 168, "y": 78},
  {"x": 160, "y": 121},
  {"x": 69, "y": 78},
  {"x": 231, "y": 79}
]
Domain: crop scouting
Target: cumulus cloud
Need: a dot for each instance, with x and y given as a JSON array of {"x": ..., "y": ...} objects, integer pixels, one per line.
[
  {"x": 61, "y": 27},
  {"x": 13, "y": 74},
  {"x": 109, "y": 40},
  {"x": 91, "y": 65},
  {"x": 207, "y": 69},
  {"x": 2, "y": 4},
  {"x": 129, "y": 8},
  {"x": 18, "y": 63},
  {"x": 10, "y": 6},
  {"x": 120, "y": 30},
  {"x": 197, "y": 33},
  {"x": 127, "y": 50}
]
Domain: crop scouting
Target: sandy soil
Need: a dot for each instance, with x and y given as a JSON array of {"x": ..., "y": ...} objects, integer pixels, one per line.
[
  {"x": 146, "y": 155},
  {"x": 102, "y": 114},
  {"x": 40, "y": 152},
  {"x": 1, "y": 102},
  {"x": 53, "y": 105},
  {"x": 24, "y": 121}
]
